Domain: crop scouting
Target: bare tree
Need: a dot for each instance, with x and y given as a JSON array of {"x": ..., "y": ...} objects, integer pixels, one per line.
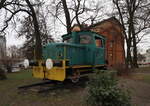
[
  {"x": 27, "y": 30},
  {"x": 16, "y": 6},
  {"x": 38, "y": 45},
  {"x": 76, "y": 12},
  {"x": 67, "y": 15},
  {"x": 134, "y": 16},
  {"x": 140, "y": 57}
]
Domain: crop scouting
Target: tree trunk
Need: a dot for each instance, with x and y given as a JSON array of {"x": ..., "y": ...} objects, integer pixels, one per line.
[
  {"x": 135, "y": 53},
  {"x": 38, "y": 45},
  {"x": 128, "y": 41},
  {"x": 129, "y": 57},
  {"x": 67, "y": 15},
  {"x": 9, "y": 69},
  {"x": 134, "y": 48}
]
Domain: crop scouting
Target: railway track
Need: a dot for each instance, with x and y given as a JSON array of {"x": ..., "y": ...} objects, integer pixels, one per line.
[{"x": 46, "y": 86}]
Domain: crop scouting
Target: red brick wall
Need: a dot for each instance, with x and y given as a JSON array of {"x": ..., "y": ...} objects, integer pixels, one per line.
[{"x": 114, "y": 44}]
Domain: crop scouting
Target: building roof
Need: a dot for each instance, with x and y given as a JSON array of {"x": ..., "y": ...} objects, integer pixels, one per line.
[{"x": 112, "y": 19}]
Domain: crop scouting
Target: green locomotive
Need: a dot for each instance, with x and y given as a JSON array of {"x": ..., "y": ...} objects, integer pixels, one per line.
[{"x": 76, "y": 56}]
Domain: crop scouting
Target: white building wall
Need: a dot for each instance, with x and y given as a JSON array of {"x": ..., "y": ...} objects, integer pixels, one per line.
[{"x": 147, "y": 55}]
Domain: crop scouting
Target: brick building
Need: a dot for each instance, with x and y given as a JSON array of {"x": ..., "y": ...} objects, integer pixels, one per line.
[{"x": 112, "y": 30}]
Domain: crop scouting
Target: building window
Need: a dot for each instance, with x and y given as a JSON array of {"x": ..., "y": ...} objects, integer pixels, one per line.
[{"x": 111, "y": 43}]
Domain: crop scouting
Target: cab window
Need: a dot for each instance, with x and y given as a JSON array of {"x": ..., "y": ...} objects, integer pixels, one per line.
[
  {"x": 98, "y": 42},
  {"x": 85, "y": 39}
]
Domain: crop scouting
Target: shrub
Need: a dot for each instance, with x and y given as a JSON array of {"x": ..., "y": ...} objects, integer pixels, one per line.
[
  {"x": 103, "y": 91},
  {"x": 2, "y": 74}
]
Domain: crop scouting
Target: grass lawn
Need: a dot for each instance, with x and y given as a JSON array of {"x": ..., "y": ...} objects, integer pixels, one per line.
[
  {"x": 11, "y": 96},
  {"x": 142, "y": 74},
  {"x": 138, "y": 84}
]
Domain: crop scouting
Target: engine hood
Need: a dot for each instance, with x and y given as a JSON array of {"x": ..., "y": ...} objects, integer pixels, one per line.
[{"x": 55, "y": 51}]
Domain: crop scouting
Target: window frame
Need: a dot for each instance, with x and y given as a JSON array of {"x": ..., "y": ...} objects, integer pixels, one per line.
[
  {"x": 102, "y": 42},
  {"x": 90, "y": 40}
]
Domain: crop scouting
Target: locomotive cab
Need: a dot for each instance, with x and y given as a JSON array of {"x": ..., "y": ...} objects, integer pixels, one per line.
[
  {"x": 75, "y": 57},
  {"x": 92, "y": 42}
]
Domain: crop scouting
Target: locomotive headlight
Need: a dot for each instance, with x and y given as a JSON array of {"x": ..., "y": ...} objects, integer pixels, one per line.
[
  {"x": 26, "y": 63},
  {"x": 49, "y": 63}
]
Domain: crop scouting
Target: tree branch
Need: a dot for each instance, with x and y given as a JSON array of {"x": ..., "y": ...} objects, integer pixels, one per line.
[{"x": 12, "y": 15}]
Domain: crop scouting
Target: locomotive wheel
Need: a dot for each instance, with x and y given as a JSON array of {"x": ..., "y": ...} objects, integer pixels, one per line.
[{"x": 75, "y": 76}]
